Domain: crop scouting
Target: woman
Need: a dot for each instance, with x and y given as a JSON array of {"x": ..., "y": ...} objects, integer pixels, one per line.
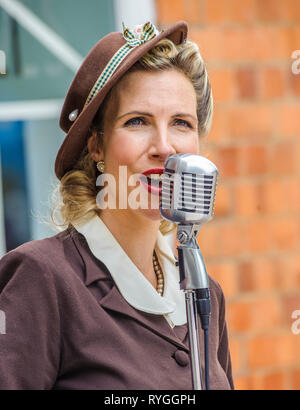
[{"x": 98, "y": 306}]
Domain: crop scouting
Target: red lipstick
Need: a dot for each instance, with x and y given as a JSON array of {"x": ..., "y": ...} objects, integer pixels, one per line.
[
  {"x": 150, "y": 185},
  {"x": 154, "y": 171}
]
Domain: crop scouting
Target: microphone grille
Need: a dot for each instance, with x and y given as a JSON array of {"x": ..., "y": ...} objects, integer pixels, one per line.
[{"x": 188, "y": 195}]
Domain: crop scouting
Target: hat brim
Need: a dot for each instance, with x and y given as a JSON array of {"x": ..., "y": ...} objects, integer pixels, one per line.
[{"x": 75, "y": 139}]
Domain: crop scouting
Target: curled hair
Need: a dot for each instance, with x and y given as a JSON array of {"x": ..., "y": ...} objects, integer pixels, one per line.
[
  {"x": 185, "y": 58},
  {"x": 77, "y": 188}
]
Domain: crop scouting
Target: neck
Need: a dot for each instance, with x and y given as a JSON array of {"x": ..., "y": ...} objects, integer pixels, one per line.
[{"x": 137, "y": 235}]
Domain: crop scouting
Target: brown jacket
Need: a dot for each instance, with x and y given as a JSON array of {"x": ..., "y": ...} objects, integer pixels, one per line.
[{"x": 68, "y": 327}]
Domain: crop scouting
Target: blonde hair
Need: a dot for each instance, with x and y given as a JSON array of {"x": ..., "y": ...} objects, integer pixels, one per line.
[{"x": 77, "y": 189}]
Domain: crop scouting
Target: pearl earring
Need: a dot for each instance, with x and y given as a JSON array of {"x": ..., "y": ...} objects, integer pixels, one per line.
[
  {"x": 101, "y": 166},
  {"x": 73, "y": 115}
]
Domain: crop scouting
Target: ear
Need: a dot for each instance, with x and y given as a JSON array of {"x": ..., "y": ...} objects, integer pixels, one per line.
[{"x": 94, "y": 148}]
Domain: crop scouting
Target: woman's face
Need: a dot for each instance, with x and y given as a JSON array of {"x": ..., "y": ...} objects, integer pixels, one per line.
[{"x": 156, "y": 116}]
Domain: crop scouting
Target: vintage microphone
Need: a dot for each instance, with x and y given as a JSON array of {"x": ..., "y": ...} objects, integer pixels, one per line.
[{"x": 188, "y": 193}]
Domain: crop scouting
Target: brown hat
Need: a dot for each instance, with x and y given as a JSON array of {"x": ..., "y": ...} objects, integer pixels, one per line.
[{"x": 107, "y": 61}]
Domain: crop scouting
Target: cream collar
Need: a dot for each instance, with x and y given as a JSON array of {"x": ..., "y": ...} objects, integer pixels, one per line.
[{"x": 132, "y": 284}]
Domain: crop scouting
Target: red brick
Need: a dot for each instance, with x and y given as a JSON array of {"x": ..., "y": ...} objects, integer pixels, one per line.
[
  {"x": 243, "y": 382},
  {"x": 239, "y": 316},
  {"x": 241, "y": 12},
  {"x": 236, "y": 353},
  {"x": 294, "y": 81},
  {"x": 273, "y": 195},
  {"x": 271, "y": 350},
  {"x": 290, "y": 303},
  {"x": 265, "y": 273},
  {"x": 273, "y": 381},
  {"x": 247, "y": 199},
  {"x": 254, "y": 159},
  {"x": 246, "y": 275},
  {"x": 296, "y": 349},
  {"x": 209, "y": 41},
  {"x": 218, "y": 127},
  {"x": 289, "y": 272},
  {"x": 262, "y": 313},
  {"x": 288, "y": 195},
  {"x": 259, "y": 381},
  {"x": 250, "y": 121},
  {"x": 225, "y": 273},
  {"x": 285, "y": 39},
  {"x": 284, "y": 233},
  {"x": 246, "y": 83},
  {"x": 253, "y": 44},
  {"x": 169, "y": 11},
  {"x": 208, "y": 151},
  {"x": 289, "y": 120},
  {"x": 293, "y": 39},
  {"x": 291, "y": 194},
  {"x": 257, "y": 234},
  {"x": 291, "y": 10},
  {"x": 228, "y": 162},
  {"x": 215, "y": 12},
  {"x": 282, "y": 158},
  {"x": 257, "y": 274},
  {"x": 297, "y": 154},
  {"x": 222, "y": 83},
  {"x": 245, "y": 44},
  {"x": 252, "y": 245},
  {"x": 264, "y": 37},
  {"x": 234, "y": 42},
  {"x": 223, "y": 201},
  {"x": 273, "y": 83},
  {"x": 224, "y": 11},
  {"x": 230, "y": 238},
  {"x": 207, "y": 240},
  {"x": 295, "y": 379},
  {"x": 269, "y": 10},
  {"x": 266, "y": 313},
  {"x": 193, "y": 11},
  {"x": 267, "y": 381}
]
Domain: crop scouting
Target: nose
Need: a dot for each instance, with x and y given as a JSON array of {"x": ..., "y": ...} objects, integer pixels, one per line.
[{"x": 161, "y": 146}]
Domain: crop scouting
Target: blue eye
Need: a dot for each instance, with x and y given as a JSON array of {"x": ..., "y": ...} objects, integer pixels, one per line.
[
  {"x": 135, "y": 122},
  {"x": 183, "y": 123},
  {"x": 140, "y": 121}
]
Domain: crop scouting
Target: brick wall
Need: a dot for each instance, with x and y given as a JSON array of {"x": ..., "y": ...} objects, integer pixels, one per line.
[{"x": 252, "y": 245}]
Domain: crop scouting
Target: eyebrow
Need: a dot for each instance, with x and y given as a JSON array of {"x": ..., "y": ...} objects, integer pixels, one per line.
[{"x": 180, "y": 114}]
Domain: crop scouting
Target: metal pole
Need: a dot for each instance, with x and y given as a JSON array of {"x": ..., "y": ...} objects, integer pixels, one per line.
[{"x": 192, "y": 320}]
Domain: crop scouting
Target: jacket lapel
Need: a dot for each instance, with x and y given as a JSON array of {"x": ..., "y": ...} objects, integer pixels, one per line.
[
  {"x": 95, "y": 270},
  {"x": 114, "y": 301}
]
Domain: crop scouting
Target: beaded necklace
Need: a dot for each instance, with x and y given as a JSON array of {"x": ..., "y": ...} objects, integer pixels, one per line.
[{"x": 159, "y": 275}]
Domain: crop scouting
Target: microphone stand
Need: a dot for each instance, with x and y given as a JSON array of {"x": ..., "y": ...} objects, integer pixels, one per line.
[{"x": 194, "y": 282}]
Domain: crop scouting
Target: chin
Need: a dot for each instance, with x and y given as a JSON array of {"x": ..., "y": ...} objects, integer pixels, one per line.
[{"x": 153, "y": 214}]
